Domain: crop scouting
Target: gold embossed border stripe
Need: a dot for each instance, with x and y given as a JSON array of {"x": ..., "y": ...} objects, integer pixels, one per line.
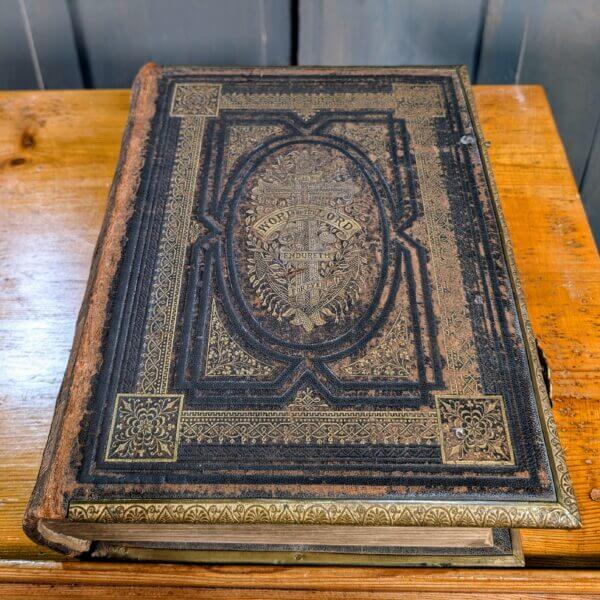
[
  {"x": 150, "y": 427},
  {"x": 192, "y": 104},
  {"x": 325, "y": 512},
  {"x": 159, "y": 330},
  {"x": 313, "y": 427}
]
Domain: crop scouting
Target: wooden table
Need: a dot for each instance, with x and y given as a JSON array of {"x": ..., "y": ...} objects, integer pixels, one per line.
[{"x": 57, "y": 155}]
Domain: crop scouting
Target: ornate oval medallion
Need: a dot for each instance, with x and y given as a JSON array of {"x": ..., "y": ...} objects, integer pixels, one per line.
[{"x": 307, "y": 243}]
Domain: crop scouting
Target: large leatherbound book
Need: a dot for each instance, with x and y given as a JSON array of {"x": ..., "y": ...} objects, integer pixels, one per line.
[{"x": 303, "y": 337}]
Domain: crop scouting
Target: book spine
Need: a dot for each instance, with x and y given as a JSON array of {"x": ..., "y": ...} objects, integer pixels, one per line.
[{"x": 49, "y": 498}]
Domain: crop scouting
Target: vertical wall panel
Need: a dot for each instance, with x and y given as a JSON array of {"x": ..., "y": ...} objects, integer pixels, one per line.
[
  {"x": 37, "y": 47},
  {"x": 54, "y": 43},
  {"x": 17, "y": 69},
  {"x": 118, "y": 37},
  {"x": 390, "y": 32},
  {"x": 590, "y": 186},
  {"x": 562, "y": 53},
  {"x": 502, "y": 41}
]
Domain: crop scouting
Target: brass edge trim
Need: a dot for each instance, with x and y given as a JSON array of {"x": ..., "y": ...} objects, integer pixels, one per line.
[
  {"x": 563, "y": 484},
  {"x": 356, "y": 70},
  {"x": 545, "y": 515}
]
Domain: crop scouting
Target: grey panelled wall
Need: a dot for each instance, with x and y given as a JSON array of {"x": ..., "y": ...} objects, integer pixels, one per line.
[
  {"x": 390, "y": 32},
  {"x": 102, "y": 43},
  {"x": 117, "y": 36},
  {"x": 37, "y": 46}
]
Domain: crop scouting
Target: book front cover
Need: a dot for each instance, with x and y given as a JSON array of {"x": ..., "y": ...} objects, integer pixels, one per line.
[{"x": 315, "y": 316}]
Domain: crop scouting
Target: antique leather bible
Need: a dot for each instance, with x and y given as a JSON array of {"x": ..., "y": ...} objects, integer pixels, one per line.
[{"x": 303, "y": 338}]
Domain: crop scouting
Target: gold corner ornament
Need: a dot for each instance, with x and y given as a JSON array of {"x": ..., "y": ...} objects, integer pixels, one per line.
[
  {"x": 473, "y": 430},
  {"x": 145, "y": 428}
]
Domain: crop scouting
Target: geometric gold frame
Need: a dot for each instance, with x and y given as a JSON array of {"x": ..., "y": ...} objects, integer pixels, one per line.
[{"x": 562, "y": 513}]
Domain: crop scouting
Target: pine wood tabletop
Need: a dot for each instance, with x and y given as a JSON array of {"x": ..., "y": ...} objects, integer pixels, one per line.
[{"x": 58, "y": 151}]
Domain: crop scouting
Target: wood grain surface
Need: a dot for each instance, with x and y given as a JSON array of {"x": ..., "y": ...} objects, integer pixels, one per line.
[{"x": 57, "y": 155}]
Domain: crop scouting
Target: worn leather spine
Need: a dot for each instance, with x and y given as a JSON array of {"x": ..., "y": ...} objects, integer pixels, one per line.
[{"x": 48, "y": 499}]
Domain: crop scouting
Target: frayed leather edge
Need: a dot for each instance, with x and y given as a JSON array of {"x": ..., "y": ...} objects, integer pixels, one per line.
[{"x": 49, "y": 499}]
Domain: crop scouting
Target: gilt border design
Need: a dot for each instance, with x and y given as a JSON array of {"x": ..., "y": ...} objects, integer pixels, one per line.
[
  {"x": 325, "y": 512},
  {"x": 150, "y": 427},
  {"x": 310, "y": 420},
  {"x": 420, "y": 105},
  {"x": 166, "y": 287},
  {"x": 561, "y": 514}
]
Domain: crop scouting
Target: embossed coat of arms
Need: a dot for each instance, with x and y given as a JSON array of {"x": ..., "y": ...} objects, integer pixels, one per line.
[{"x": 304, "y": 261}]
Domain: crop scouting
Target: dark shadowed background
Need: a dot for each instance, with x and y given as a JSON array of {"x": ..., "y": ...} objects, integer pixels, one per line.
[{"x": 56, "y": 44}]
